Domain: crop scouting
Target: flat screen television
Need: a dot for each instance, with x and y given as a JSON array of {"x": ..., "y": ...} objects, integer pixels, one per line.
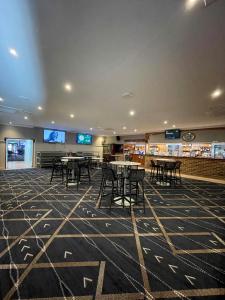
[
  {"x": 84, "y": 139},
  {"x": 54, "y": 136},
  {"x": 172, "y": 134}
]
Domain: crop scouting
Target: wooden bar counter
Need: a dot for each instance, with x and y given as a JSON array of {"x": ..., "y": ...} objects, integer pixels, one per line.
[
  {"x": 196, "y": 166},
  {"x": 140, "y": 158}
]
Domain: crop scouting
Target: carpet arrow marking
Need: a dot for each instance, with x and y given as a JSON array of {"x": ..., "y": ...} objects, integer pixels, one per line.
[
  {"x": 46, "y": 225},
  {"x": 155, "y": 228},
  {"x": 146, "y": 250},
  {"x": 67, "y": 252},
  {"x": 214, "y": 242},
  {"x": 24, "y": 247},
  {"x": 189, "y": 279},
  {"x": 172, "y": 267},
  {"x": 22, "y": 240},
  {"x": 158, "y": 258},
  {"x": 28, "y": 254},
  {"x": 86, "y": 280}
]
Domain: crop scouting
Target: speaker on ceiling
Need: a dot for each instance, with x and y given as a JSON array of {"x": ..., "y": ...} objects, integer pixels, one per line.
[{"x": 118, "y": 138}]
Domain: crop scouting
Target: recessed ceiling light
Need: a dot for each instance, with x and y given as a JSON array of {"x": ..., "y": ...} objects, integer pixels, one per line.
[
  {"x": 1, "y": 99},
  {"x": 174, "y": 126},
  {"x": 39, "y": 108},
  {"x": 131, "y": 112},
  {"x": 217, "y": 93},
  {"x": 135, "y": 130},
  {"x": 165, "y": 122},
  {"x": 191, "y": 3},
  {"x": 13, "y": 52},
  {"x": 71, "y": 116},
  {"x": 91, "y": 128},
  {"x": 10, "y": 123},
  {"x": 53, "y": 122},
  {"x": 124, "y": 127},
  {"x": 25, "y": 117},
  {"x": 68, "y": 87}
]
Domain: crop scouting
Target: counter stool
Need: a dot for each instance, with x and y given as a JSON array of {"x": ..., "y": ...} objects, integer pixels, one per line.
[
  {"x": 109, "y": 180},
  {"x": 154, "y": 170},
  {"x": 84, "y": 169},
  {"x": 168, "y": 175},
  {"x": 57, "y": 169},
  {"x": 136, "y": 178},
  {"x": 177, "y": 171}
]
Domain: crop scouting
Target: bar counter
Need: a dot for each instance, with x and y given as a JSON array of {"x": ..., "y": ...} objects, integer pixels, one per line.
[{"x": 196, "y": 166}]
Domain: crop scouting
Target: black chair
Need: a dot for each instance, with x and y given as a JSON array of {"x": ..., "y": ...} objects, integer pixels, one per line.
[
  {"x": 72, "y": 173},
  {"x": 135, "y": 179},
  {"x": 177, "y": 171},
  {"x": 109, "y": 180},
  {"x": 128, "y": 157},
  {"x": 168, "y": 175},
  {"x": 57, "y": 169},
  {"x": 85, "y": 169},
  {"x": 154, "y": 170}
]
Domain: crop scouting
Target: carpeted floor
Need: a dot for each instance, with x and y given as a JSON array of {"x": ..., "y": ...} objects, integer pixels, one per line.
[{"x": 55, "y": 243}]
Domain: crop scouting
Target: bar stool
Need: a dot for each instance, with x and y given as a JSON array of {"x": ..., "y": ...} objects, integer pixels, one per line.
[
  {"x": 169, "y": 173},
  {"x": 57, "y": 169},
  {"x": 177, "y": 169},
  {"x": 84, "y": 169},
  {"x": 109, "y": 180},
  {"x": 72, "y": 173},
  {"x": 136, "y": 178},
  {"x": 154, "y": 170}
]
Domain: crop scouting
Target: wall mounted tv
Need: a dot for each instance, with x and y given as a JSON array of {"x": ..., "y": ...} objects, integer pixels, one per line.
[
  {"x": 54, "y": 136},
  {"x": 84, "y": 139},
  {"x": 172, "y": 134}
]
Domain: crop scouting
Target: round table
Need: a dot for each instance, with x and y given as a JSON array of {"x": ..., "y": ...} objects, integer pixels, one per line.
[
  {"x": 124, "y": 163},
  {"x": 66, "y": 158},
  {"x": 122, "y": 199}
]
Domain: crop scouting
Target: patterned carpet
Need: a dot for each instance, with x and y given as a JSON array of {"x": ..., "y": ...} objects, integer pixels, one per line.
[{"x": 55, "y": 243}]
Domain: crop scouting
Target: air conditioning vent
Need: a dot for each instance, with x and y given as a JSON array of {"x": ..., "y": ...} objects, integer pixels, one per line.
[{"x": 9, "y": 110}]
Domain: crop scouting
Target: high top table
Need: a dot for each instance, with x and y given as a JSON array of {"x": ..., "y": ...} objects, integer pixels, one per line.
[{"x": 125, "y": 164}]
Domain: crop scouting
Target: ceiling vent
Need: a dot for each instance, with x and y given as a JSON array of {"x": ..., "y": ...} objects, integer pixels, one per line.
[
  {"x": 6, "y": 109},
  {"x": 127, "y": 95},
  {"x": 12, "y": 110},
  {"x": 108, "y": 129}
]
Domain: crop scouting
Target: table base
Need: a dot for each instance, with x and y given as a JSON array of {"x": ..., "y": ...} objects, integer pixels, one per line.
[
  {"x": 162, "y": 183},
  {"x": 119, "y": 201},
  {"x": 72, "y": 183}
]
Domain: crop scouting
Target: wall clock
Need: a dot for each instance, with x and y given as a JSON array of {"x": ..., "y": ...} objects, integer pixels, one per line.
[{"x": 188, "y": 136}]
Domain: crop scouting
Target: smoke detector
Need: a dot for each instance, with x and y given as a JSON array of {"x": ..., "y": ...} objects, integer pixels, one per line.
[{"x": 127, "y": 95}]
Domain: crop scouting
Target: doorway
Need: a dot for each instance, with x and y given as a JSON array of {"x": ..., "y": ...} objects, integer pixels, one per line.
[{"x": 19, "y": 153}]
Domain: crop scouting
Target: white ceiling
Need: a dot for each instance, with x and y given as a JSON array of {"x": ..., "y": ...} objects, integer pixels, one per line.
[{"x": 169, "y": 57}]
